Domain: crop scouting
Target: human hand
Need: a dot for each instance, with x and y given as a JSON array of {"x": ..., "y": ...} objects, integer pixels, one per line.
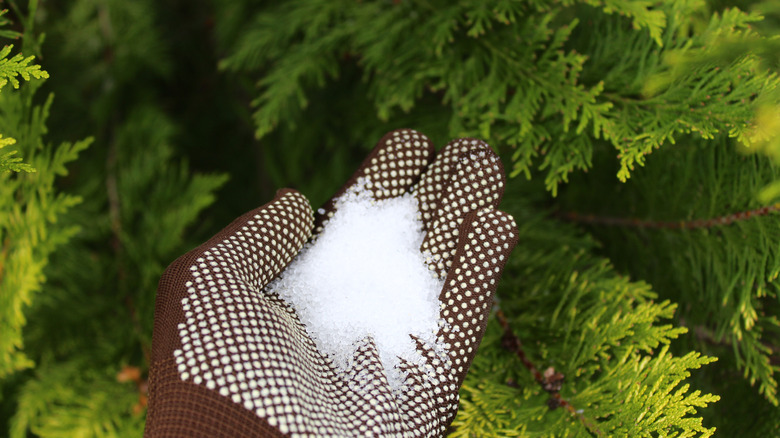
[{"x": 231, "y": 359}]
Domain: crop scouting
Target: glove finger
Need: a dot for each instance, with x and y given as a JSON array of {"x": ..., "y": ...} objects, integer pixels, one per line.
[
  {"x": 486, "y": 238},
  {"x": 435, "y": 179},
  {"x": 475, "y": 181},
  {"x": 373, "y": 406},
  {"x": 392, "y": 167},
  {"x": 417, "y": 410},
  {"x": 431, "y": 397}
]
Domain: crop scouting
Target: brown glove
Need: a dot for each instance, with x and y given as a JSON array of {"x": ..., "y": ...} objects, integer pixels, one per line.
[{"x": 232, "y": 360}]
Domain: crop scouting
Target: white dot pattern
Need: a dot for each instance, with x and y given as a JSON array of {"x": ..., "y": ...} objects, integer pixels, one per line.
[
  {"x": 488, "y": 237},
  {"x": 477, "y": 181},
  {"x": 247, "y": 346},
  {"x": 439, "y": 174}
]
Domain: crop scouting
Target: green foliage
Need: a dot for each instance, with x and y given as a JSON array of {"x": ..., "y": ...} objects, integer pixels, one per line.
[
  {"x": 18, "y": 65},
  {"x": 726, "y": 274},
  {"x": 10, "y": 69},
  {"x": 137, "y": 202},
  {"x": 157, "y": 197},
  {"x": 76, "y": 400},
  {"x": 554, "y": 91},
  {"x": 4, "y": 21},
  {"x": 606, "y": 335},
  {"x": 10, "y": 163},
  {"x": 30, "y": 205},
  {"x": 667, "y": 97}
]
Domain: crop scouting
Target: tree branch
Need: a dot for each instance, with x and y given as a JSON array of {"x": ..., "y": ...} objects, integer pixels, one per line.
[{"x": 550, "y": 380}]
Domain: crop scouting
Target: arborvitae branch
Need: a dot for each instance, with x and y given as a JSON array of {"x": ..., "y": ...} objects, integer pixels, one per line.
[
  {"x": 604, "y": 333},
  {"x": 10, "y": 163},
  {"x": 726, "y": 265},
  {"x": 10, "y": 69},
  {"x": 670, "y": 225},
  {"x": 559, "y": 88},
  {"x": 29, "y": 204},
  {"x": 551, "y": 381},
  {"x": 18, "y": 65}
]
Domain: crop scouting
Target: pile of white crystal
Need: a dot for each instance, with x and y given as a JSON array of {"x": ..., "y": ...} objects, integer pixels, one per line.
[{"x": 364, "y": 276}]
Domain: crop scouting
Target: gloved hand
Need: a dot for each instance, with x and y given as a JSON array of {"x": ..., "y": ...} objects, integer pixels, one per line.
[{"x": 232, "y": 360}]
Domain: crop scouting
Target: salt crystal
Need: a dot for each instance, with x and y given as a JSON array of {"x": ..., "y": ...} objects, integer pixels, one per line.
[{"x": 364, "y": 276}]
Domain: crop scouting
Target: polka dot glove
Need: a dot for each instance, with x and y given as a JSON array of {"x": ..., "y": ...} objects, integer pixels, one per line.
[{"x": 232, "y": 360}]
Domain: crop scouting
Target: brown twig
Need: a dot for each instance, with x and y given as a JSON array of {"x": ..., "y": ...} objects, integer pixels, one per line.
[
  {"x": 670, "y": 225},
  {"x": 550, "y": 380}
]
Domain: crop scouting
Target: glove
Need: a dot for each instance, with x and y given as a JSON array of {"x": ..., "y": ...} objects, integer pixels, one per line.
[{"x": 231, "y": 359}]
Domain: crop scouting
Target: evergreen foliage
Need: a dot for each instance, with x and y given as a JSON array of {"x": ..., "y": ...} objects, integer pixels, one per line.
[
  {"x": 10, "y": 69},
  {"x": 726, "y": 274},
  {"x": 540, "y": 94},
  {"x": 607, "y": 335},
  {"x": 18, "y": 65},
  {"x": 29, "y": 205},
  {"x": 90, "y": 326},
  {"x": 642, "y": 138},
  {"x": 10, "y": 163}
]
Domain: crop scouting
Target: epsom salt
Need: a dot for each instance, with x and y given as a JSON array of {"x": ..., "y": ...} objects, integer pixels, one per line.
[{"x": 364, "y": 276}]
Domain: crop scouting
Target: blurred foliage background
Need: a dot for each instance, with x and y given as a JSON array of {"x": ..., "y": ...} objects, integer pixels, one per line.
[{"x": 641, "y": 137}]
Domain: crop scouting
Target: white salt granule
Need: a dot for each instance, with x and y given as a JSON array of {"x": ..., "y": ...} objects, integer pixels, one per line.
[{"x": 364, "y": 276}]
